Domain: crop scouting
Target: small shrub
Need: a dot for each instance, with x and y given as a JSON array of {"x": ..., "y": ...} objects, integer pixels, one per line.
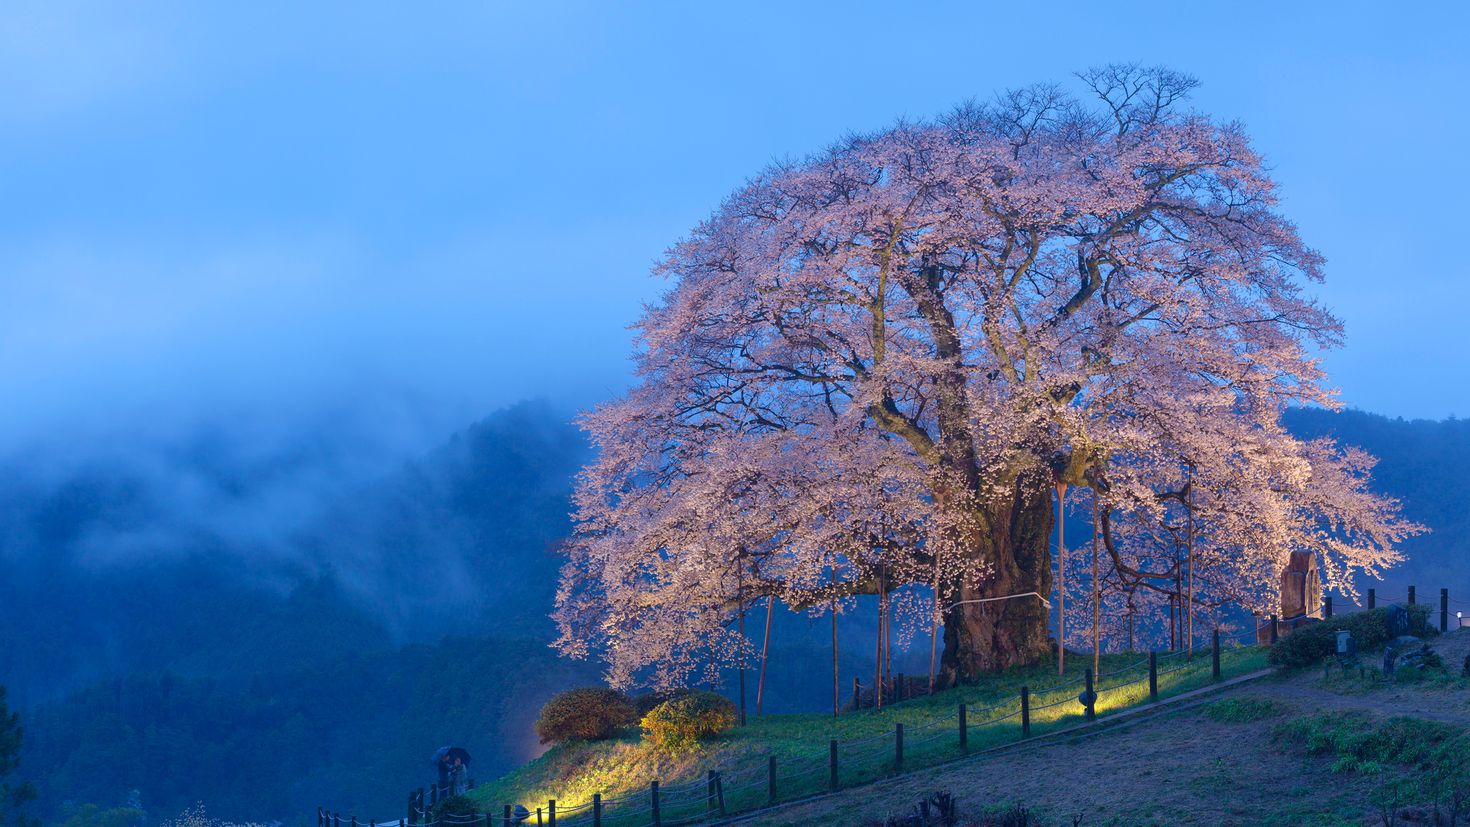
[
  {"x": 1243, "y": 710},
  {"x": 1309, "y": 644},
  {"x": 455, "y": 805},
  {"x": 589, "y": 714},
  {"x": 683, "y": 722}
]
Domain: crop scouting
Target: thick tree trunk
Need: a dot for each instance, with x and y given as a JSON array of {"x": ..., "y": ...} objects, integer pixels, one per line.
[{"x": 982, "y": 637}]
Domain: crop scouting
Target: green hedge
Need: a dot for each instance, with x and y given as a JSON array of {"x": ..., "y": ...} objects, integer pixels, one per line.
[{"x": 1309, "y": 644}]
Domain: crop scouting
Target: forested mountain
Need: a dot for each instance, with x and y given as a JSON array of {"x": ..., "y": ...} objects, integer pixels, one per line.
[
  {"x": 125, "y": 667},
  {"x": 266, "y": 688},
  {"x": 353, "y": 733},
  {"x": 1421, "y": 462}
]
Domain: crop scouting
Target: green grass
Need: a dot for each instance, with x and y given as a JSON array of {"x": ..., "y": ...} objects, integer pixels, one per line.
[
  {"x": 1424, "y": 761},
  {"x": 571, "y": 773},
  {"x": 1244, "y": 710}
]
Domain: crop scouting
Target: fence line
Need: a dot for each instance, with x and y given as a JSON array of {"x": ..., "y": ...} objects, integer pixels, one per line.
[{"x": 753, "y": 785}]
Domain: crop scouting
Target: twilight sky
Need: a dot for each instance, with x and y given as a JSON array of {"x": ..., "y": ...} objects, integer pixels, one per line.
[{"x": 416, "y": 212}]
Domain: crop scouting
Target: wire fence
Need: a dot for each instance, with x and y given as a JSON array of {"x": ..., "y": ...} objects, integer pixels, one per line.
[{"x": 750, "y": 785}]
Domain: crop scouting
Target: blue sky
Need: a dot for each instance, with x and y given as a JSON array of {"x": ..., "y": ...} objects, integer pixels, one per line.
[{"x": 278, "y": 211}]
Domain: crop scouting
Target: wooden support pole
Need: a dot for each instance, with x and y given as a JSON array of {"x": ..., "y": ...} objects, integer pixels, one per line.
[
  {"x": 1215, "y": 654},
  {"x": 720, "y": 792},
  {"x": 507, "y": 815},
  {"x": 1025, "y": 712},
  {"x": 653, "y": 803},
  {"x": 709, "y": 790},
  {"x": 1096, "y": 591},
  {"x": 1061, "y": 579},
  {"x": 1273, "y": 629},
  {"x": 836, "y": 684},
  {"x": 760, "y": 685},
  {"x": 771, "y": 780},
  {"x": 964, "y": 730},
  {"x": 551, "y": 812},
  {"x": 740, "y": 630},
  {"x": 597, "y": 810}
]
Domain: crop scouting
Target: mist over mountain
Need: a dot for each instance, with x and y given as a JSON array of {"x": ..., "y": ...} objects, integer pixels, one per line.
[{"x": 207, "y": 560}]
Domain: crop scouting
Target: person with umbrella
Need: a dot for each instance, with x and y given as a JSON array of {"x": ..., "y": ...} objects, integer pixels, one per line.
[{"x": 453, "y": 764}]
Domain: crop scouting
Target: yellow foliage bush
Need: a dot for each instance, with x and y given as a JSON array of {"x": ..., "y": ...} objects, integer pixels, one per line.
[{"x": 683, "y": 722}]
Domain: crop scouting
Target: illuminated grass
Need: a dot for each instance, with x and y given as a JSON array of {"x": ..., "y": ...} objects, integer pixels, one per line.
[{"x": 623, "y": 768}]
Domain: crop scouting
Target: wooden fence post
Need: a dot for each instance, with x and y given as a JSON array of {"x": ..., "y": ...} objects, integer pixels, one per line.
[
  {"x": 354, "y": 821},
  {"x": 597, "y": 810},
  {"x": 1273, "y": 625},
  {"x": 720, "y": 792},
  {"x": 771, "y": 780},
  {"x": 709, "y": 790},
  {"x": 653, "y": 803},
  {"x": 1025, "y": 712},
  {"x": 901, "y": 692},
  {"x": 832, "y": 764},
  {"x": 1215, "y": 654},
  {"x": 898, "y": 747},
  {"x": 551, "y": 812},
  {"x": 1153, "y": 675},
  {"x": 1444, "y": 610},
  {"x": 1089, "y": 707},
  {"x": 964, "y": 730},
  {"x": 1372, "y": 598},
  {"x": 507, "y": 815}
]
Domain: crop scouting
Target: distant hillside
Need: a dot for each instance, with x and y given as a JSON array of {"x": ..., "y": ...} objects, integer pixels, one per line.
[{"x": 352, "y": 732}]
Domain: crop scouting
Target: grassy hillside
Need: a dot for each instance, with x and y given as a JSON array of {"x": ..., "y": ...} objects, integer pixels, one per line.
[
  {"x": 623, "y": 768},
  {"x": 1296, "y": 750}
]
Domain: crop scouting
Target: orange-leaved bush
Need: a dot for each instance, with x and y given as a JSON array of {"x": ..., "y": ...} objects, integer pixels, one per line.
[{"x": 588, "y": 714}]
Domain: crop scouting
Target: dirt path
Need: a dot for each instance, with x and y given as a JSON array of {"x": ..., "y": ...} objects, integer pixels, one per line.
[{"x": 1174, "y": 768}]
